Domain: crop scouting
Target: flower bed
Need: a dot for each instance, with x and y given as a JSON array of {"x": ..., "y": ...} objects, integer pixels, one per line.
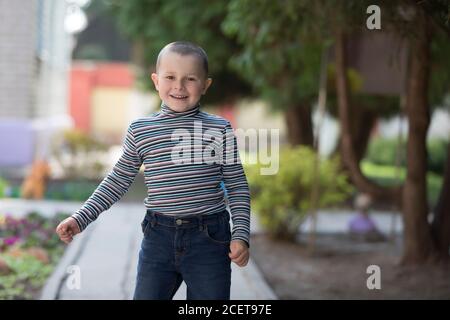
[{"x": 29, "y": 250}]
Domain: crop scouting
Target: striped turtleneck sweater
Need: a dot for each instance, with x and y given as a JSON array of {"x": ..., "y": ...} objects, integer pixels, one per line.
[{"x": 186, "y": 156}]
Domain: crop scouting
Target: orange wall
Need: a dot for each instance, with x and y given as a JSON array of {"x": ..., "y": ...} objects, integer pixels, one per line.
[
  {"x": 85, "y": 78},
  {"x": 80, "y": 96}
]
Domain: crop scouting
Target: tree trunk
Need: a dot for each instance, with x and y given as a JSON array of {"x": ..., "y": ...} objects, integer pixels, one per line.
[
  {"x": 418, "y": 243},
  {"x": 348, "y": 154},
  {"x": 363, "y": 122},
  {"x": 299, "y": 126},
  {"x": 440, "y": 227}
]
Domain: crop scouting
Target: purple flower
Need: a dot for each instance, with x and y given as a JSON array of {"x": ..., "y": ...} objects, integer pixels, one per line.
[{"x": 11, "y": 240}]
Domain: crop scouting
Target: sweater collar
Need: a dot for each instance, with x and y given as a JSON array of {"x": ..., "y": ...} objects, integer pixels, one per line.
[{"x": 169, "y": 112}]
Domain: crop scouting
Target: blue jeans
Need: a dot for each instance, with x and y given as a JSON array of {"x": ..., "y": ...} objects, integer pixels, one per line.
[{"x": 193, "y": 249}]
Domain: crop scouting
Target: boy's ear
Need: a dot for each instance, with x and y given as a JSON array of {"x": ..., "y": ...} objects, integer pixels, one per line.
[
  {"x": 154, "y": 77},
  {"x": 207, "y": 84}
]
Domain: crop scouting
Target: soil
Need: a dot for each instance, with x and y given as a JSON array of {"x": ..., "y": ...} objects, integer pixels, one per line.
[{"x": 337, "y": 269}]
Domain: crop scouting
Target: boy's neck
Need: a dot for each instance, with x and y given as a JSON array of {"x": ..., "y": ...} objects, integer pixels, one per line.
[{"x": 190, "y": 112}]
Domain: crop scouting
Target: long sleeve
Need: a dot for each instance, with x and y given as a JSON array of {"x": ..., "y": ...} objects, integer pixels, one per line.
[
  {"x": 115, "y": 184},
  {"x": 236, "y": 186}
]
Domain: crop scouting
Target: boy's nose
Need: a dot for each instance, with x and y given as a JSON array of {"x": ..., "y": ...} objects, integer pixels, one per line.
[{"x": 179, "y": 85}]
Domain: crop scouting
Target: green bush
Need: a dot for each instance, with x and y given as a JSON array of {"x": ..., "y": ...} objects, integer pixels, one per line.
[
  {"x": 3, "y": 186},
  {"x": 10, "y": 189},
  {"x": 75, "y": 190},
  {"x": 282, "y": 201},
  {"x": 391, "y": 176},
  {"x": 437, "y": 155},
  {"x": 383, "y": 151}
]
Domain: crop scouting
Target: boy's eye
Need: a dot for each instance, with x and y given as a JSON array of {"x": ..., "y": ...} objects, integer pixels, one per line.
[
  {"x": 170, "y": 77},
  {"x": 191, "y": 79}
]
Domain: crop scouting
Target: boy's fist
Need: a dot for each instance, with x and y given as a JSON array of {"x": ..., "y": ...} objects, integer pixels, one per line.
[
  {"x": 67, "y": 229},
  {"x": 239, "y": 252}
]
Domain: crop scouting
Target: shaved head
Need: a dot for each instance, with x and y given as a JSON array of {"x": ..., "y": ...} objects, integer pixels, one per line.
[{"x": 185, "y": 48}]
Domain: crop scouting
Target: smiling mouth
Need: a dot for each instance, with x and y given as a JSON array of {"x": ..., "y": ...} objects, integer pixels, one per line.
[{"x": 179, "y": 97}]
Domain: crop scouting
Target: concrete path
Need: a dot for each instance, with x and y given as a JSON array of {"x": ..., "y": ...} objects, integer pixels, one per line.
[{"x": 105, "y": 256}]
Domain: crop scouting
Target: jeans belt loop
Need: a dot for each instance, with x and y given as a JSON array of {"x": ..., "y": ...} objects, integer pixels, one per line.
[{"x": 153, "y": 219}]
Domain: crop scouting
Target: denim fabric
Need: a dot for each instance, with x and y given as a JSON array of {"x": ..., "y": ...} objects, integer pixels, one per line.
[{"x": 193, "y": 249}]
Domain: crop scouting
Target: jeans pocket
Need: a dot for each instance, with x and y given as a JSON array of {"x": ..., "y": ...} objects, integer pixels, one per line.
[
  {"x": 218, "y": 233},
  {"x": 145, "y": 226}
]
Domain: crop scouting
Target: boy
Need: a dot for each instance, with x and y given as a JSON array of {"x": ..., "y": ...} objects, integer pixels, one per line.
[{"x": 186, "y": 229}]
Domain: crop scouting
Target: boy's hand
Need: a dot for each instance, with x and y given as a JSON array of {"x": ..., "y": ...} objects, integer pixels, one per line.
[
  {"x": 239, "y": 252},
  {"x": 67, "y": 229}
]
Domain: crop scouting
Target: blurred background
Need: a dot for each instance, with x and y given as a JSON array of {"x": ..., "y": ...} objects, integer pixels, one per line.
[{"x": 361, "y": 99}]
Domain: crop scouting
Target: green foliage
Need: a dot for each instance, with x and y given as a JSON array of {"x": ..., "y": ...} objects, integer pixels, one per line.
[
  {"x": 159, "y": 22},
  {"x": 10, "y": 188},
  {"x": 386, "y": 175},
  {"x": 28, "y": 275},
  {"x": 72, "y": 190},
  {"x": 3, "y": 187},
  {"x": 437, "y": 155},
  {"x": 282, "y": 201},
  {"x": 277, "y": 57},
  {"x": 384, "y": 151},
  {"x": 440, "y": 70},
  {"x": 156, "y": 23}
]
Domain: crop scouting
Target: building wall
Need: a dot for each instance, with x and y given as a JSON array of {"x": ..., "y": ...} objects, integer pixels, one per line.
[
  {"x": 109, "y": 117},
  {"x": 34, "y": 58},
  {"x": 103, "y": 100},
  {"x": 82, "y": 82},
  {"x": 53, "y": 59},
  {"x": 18, "y": 34}
]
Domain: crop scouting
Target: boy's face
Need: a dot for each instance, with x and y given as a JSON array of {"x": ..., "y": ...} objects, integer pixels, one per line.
[{"x": 180, "y": 81}]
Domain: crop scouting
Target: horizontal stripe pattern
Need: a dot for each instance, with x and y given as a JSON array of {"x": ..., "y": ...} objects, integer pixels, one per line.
[{"x": 186, "y": 156}]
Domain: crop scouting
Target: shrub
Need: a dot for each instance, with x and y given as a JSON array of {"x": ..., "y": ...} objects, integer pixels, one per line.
[
  {"x": 383, "y": 151},
  {"x": 437, "y": 155},
  {"x": 73, "y": 190},
  {"x": 282, "y": 201},
  {"x": 3, "y": 187}
]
